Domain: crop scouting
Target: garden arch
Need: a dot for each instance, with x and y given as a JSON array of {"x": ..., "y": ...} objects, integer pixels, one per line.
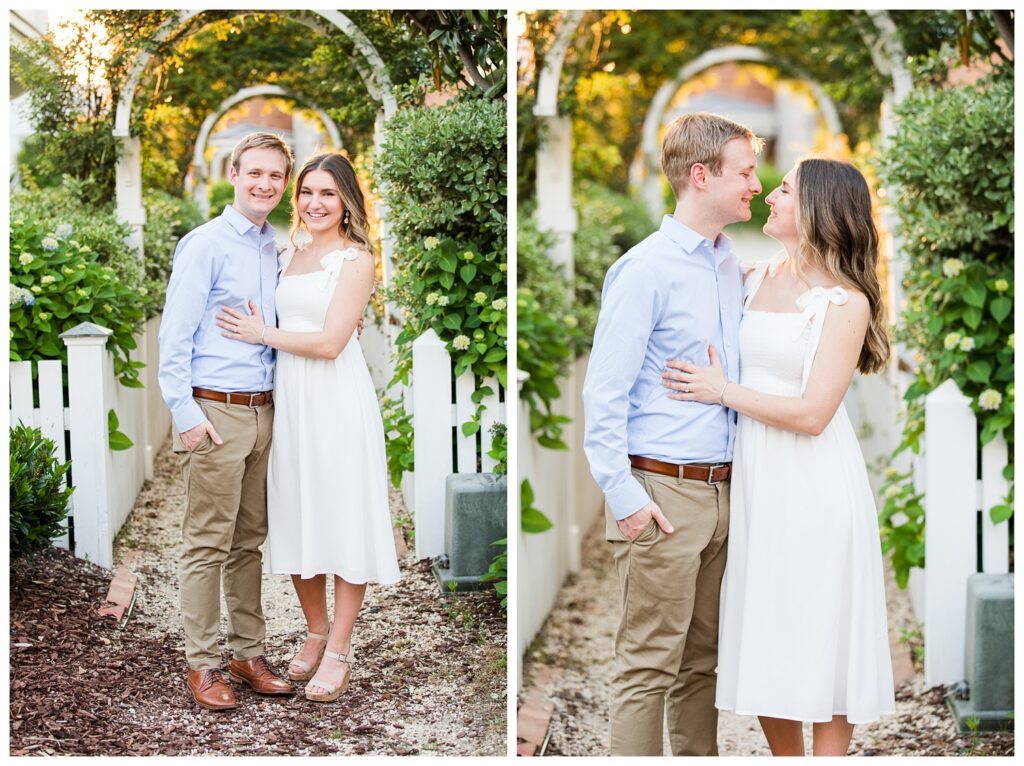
[
  {"x": 645, "y": 171},
  {"x": 197, "y": 184},
  {"x": 129, "y": 166}
]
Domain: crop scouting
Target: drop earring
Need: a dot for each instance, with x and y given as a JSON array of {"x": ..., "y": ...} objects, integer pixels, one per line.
[{"x": 345, "y": 219}]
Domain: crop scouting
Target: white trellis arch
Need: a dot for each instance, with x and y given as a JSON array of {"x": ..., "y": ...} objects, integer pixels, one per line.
[
  {"x": 196, "y": 184},
  {"x": 129, "y": 166},
  {"x": 645, "y": 173}
]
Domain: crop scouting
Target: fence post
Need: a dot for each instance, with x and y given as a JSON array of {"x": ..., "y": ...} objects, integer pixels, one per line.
[
  {"x": 951, "y": 449},
  {"x": 432, "y": 439},
  {"x": 995, "y": 538},
  {"x": 90, "y": 458}
]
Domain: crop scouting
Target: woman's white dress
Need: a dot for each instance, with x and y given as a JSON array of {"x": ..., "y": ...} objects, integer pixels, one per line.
[
  {"x": 802, "y": 628},
  {"x": 327, "y": 497}
]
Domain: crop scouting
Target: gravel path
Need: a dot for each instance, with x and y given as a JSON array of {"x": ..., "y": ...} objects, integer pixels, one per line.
[
  {"x": 430, "y": 678},
  {"x": 570, "y": 663}
]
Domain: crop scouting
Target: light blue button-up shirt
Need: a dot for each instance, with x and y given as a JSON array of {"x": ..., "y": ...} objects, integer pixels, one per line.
[
  {"x": 667, "y": 298},
  {"x": 224, "y": 262}
]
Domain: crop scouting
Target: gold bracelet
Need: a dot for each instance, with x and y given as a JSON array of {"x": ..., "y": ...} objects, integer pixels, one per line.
[{"x": 721, "y": 394}]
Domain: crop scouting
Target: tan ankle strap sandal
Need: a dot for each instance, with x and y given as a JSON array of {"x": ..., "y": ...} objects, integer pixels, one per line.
[
  {"x": 306, "y": 670},
  {"x": 330, "y": 693}
]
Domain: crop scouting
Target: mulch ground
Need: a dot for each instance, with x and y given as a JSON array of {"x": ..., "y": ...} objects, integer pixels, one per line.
[{"x": 81, "y": 685}]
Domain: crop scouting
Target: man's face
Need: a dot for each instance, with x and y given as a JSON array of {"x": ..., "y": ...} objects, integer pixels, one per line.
[
  {"x": 259, "y": 182},
  {"x": 730, "y": 192}
]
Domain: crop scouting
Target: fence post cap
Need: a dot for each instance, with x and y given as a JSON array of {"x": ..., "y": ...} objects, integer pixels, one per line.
[
  {"x": 428, "y": 337},
  {"x": 948, "y": 392},
  {"x": 86, "y": 330},
  {"x": 521, "y": 378}
]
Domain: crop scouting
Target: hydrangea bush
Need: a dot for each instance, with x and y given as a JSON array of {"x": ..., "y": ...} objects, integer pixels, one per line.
[
  {"x": 442, "y": 173},
  {"x": 951, "y": 165},
  {"x": 57, "y": 282}
]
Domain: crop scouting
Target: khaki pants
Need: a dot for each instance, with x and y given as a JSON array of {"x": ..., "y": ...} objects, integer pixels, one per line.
[
  {"x": 666, "y": 647},
  {"x": 225, "y": 523}
]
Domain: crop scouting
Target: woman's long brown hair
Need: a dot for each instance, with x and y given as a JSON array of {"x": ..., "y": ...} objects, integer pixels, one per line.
[
  {"x": 344, "y": 175},
  {"x": 838, "y": 235}
]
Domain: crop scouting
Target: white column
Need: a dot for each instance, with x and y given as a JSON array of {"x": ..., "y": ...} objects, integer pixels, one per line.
[
  {"x": 129, "y": 190},
  {"x": 950, "y": 500},
  {"x": 90, "y": 452},
  {"x": 995, "y": 538},
  {"x": 432, "y": 440}
]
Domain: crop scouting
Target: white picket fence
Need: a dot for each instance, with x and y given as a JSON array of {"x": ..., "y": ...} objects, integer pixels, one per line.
[
  {"x": 440, "y": 404},
  {"x": 959, "y": 487},
  {"x": 106, "y": 482}
]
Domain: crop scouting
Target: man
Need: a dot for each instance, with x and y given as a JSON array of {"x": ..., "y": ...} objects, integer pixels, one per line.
[
  {"x": 664, "y": 469},
  {"x": 219, "y": 392}
]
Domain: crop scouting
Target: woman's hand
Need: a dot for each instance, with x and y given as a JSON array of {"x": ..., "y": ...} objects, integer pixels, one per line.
[
  {"x": 691, "y": 383},
  {"x": 239, "y": 326}
]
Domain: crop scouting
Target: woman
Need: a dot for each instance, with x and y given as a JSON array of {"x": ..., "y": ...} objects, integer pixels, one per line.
[
  {"x": 802, "y": 629},
  {"x": 327, "y": 501}
]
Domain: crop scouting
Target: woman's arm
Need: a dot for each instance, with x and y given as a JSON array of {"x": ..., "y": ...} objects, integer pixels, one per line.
[
  {"x": 836, "y": 358},
  {"x": 351, "y": 294}
]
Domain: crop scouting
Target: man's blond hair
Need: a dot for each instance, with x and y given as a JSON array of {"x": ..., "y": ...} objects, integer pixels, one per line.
[
  {"x": 699, "y": 138},
  {"x": 262, "y": 140}
]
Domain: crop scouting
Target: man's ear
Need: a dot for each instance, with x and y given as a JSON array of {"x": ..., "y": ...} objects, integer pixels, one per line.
[
  {"x": 698, "y": 175},
  {"x": 232, "y": 174}
]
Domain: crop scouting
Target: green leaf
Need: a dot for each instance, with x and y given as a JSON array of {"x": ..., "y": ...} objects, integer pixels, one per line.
[
  {"x": 118, "y": 441},
  {"x": 470, "y": 428},
  {"x": 972, "y": 317},
  {"x": 1000, "y": 513},
  {"x": 1000, "y": 308},
  {"x": 979, "y": 371},
  {"x": 974, "y": 294},
  {"x": 467, "y": 273},
  {"x": 533, "y": 521}
]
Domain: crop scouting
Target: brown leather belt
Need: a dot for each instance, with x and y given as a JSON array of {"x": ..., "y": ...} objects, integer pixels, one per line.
[
  {"x": 712, "y": 474},
  {"x": 249, "y": 400}
]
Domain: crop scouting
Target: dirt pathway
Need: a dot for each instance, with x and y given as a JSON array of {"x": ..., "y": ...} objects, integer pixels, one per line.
[
  {"x": 430, "y": 678},
  {"x": 570, "y": 663}
]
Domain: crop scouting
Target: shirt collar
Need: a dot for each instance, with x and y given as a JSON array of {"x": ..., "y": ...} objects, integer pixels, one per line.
[
  {"x": 240, "y": 223},
  {"x": 690, "y": 241}
]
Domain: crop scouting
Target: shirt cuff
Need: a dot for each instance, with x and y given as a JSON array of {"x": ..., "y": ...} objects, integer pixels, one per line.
[
  {"x": 187, "y": 416},
  {"x": 627, "y": 499}
]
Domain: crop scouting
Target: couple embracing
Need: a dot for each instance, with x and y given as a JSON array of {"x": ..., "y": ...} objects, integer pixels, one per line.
[
  {"x": 276, "y": 422},
  {"x": 742, "y": 523}
]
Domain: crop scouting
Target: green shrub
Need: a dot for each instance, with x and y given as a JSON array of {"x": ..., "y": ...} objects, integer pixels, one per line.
[
  {"x": 950, "y": 166},
  {"x": 168, "y": 219},
  {"x": 547, "y": 330},
  {"x": 442, "y": 174},
  {"x": 95, "y": 227},
  {"x": 39, "y": 505},
  {"x": 57, "y": 283},
  {"x": 609, "y": 224},
  {"x": 221, "y": 193}
]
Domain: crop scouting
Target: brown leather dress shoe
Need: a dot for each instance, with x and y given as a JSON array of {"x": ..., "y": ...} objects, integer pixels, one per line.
[
  {"x": 258, "y": 674},
  {"x": 209, "y": 690}
]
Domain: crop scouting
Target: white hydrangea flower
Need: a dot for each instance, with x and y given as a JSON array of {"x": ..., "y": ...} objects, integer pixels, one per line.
[
  {"x": 430, "y": 243},
  {"x": 25, "y": 259},
  {"x": 952, "y": 267},
  {"x": 1001, "y": 285},
  {"x": 431, "y": 299},
  {"x": 65, "y": 230},
  {"x": 461, "y": 343},
  {"x": 952, "y": 341},
  {"x": 480, "y": 298},
  {"x": 990, "y": 399},
  {"x": 48, "y": 279},
  {"x": 50, "y": 243},
  {"x": 967, "y": 344},
  {"x": 499, "y": 305},
  {"x": 442, "y": 300},
  {"x": 891, "y": 492}
]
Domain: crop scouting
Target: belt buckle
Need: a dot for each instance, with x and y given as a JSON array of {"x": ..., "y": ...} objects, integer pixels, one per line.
[
  {"x": 711, "y": 473},
  {"x": 250, "y": 405}
]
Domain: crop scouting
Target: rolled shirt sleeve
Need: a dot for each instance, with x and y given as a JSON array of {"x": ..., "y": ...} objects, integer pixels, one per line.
[{"x": 628, "y": 315}]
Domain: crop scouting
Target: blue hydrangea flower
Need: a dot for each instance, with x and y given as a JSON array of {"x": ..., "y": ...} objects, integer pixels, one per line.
[
  {"x": 65, "y": 230},
  {"x": 49, "y": 243}
]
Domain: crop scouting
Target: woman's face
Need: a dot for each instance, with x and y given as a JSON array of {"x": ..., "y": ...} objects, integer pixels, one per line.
[
  {"x": 319, "y": 204},
  {"x": 781, "y": 224}
]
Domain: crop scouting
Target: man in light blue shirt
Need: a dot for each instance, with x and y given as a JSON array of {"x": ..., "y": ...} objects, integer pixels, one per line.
[
  {"x": 220, "y": 393},
  {"x": 665, "y": 468}
]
